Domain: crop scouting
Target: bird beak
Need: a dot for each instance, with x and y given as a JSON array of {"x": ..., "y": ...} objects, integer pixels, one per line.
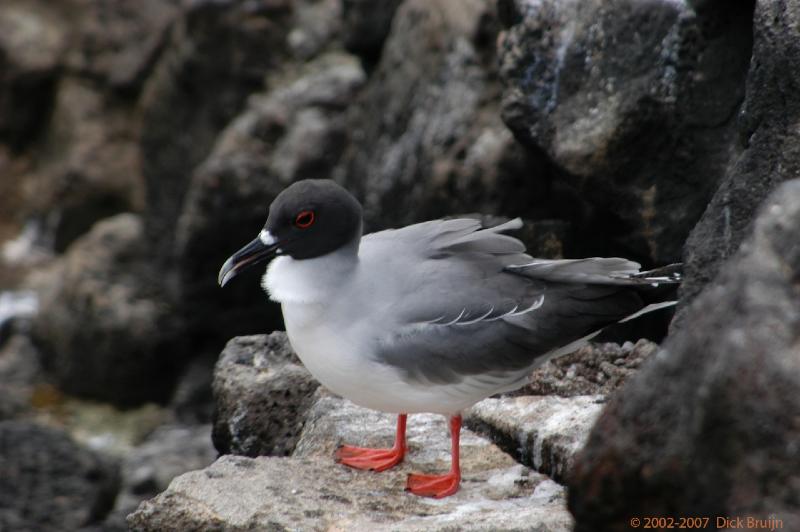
[{"x": 259, "y": 250}]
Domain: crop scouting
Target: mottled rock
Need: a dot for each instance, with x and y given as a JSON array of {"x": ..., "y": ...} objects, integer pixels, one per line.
[
  {"x": 768, "y": 150},
  {"x": 427, "y": 139},
  {"x": 709, "y": 426},
  {"x": 298, "y": 130},
  {"x": 269, "y": 493},
  {"x": 149, "y": 468},
  {"x": 216, "y": 54},
  {"x": 193, "y": 401},
  {"x": 20, "y": 371},
  {"x": 116, "y": 42},
  {"x": 316, "y": 26},
  {"x": 310, "y": 492},
  {"x": 334, "y": 421},
  {"x": 365, "y": 25},
  {"x": 634, "y": 102},
  {"x": 32, "y": 44},
  {"x": 103, "y": 327},
  {"x": 261, "y": 394},
  {"x": 544, "y": 433},
  {"x": 591, "y": 370},
  {"x": 87, "y": 167},
  {"x": 48, "y": 482}
]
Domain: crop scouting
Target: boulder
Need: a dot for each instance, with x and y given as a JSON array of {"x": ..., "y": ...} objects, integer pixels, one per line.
[
  {"x": 147, "y": 470},
  {"x": 426, "y": 136},
  {"x": 308, "y": 491},
  {"x": 216, "y": 54},
  {"x": 115, "y": 42},
  {"x": 32, "y": 42},
  {"x": 48, "y": 482},
  {"x": 707, "y": 428},
  {"x": 315, "y": 27},
  {"x": 767, "y": 148},
  {"x": 365, "y": 25},
  {"x": 543, "y": 433},
  {"x": 87, "y": 166},
  {"x": 262, "y": 394},
  {"x": 298, "y": 130},
  {"x": 634, "y": 103},
  {"x": 20, "y": 372},
  {"x": 104, "y": 329}
]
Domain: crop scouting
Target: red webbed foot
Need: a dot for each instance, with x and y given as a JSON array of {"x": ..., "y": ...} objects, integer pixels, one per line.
[
  {"x": 436, "y": 486},
  {"x": 375, "y": 459},
  {"x": 371, "y": 459}
]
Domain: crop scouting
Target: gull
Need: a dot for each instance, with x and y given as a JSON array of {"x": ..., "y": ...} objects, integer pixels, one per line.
[{"x": 432, "y": 317}]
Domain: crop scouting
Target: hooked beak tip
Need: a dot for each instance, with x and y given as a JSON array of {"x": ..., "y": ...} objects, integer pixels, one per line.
[{"x": 226, "y": 273}]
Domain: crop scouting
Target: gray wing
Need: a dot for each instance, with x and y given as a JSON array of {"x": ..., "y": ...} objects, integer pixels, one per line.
[{"x": 481, "y": 306}]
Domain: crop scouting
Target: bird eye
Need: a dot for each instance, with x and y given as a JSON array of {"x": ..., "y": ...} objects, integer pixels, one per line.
[{"x": 305, "y": 219}]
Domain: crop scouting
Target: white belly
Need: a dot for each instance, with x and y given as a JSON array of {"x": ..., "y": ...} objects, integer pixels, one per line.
[
  {"x": 338, "y": 351},
  {"x": 343, "y": 366}
]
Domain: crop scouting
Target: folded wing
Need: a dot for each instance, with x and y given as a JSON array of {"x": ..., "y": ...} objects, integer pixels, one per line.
[{"x": 479, "y": 306}]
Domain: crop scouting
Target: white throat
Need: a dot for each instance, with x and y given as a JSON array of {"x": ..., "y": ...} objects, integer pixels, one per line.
[{"x": 310, "y": 280}]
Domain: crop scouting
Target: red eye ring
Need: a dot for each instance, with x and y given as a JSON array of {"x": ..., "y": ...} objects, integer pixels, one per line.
[{"x": 304, "y": 219}]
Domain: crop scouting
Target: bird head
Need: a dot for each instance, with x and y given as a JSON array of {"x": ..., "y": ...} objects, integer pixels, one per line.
[{"x": 308, "y": 219}]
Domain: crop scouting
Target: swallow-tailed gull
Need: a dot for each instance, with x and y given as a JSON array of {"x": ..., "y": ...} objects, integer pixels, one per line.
[{"x": 432, "y": 317}]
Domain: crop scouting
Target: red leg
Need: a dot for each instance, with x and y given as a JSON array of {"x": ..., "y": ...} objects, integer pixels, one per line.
[
  {"x": 439, "y": 486},
  {"x": 375, "y": 459}
]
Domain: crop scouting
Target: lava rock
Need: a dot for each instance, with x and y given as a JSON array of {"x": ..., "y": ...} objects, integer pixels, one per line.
[
  {"x": 298, "y": 130},
  {"x": 426, "y": 136},
  {"x": 634, "y": 102},
  {"x": 20, "y": 371},
  {"x": 32, "y": 42},
  {"x": 768, "y": 150},
  {"x": 595, "y": 369},
  {"x": 262, "y": 394},
  {"x": 116, "y": 42},
  {"x": 217, "y": 53},
  {"x": 50, "y": 483},
  {"x": 710, "y": 424},
  {"x": 88, "y": 168},
  {"x": 316, "y": 26},
  {"x": 308, "y": 491},
  {"x": 147, "y": 470},
  {"x": 366, "y": 24},
  {"x": 544, "y": 433},
  {"x": 104, "y": 329}
]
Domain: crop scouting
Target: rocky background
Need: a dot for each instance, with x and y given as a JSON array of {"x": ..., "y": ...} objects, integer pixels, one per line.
[{"x": 141, "y": 144}]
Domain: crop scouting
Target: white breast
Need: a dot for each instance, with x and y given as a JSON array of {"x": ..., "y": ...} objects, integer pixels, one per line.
[{"x": 333, "y": 327}]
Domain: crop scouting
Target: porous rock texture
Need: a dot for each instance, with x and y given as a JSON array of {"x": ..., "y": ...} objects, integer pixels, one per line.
[
  {"x": 261, "y": 395},
  {"x": 595, "y": 369},
  {"x": 709, "y": 427}
]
